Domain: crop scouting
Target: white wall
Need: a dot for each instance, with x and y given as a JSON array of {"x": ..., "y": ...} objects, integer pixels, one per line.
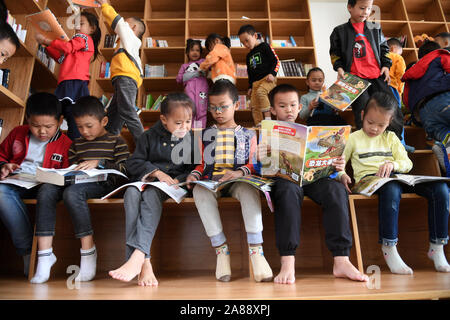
[{"x": 325, "y": 15}]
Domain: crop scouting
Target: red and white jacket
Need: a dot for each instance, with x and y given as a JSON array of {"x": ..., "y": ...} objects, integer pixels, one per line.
[{"x": 15, "y": 147}]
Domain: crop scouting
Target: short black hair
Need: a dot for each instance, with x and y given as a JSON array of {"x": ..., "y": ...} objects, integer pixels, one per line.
[
  {"x": 445, "y": 35},
  {"x": 248, "y": 28},
  {"x": 427, "y": 47},
  {"x": 315, "y": 69},
  {"x": 394, "y": 42},
  {"x": 224, "y": 87},
  {"x": 7, "y": 33},
  {"x": 43, "y": 104},
  {"x": 174, "y": 100},
  {"x": 88, "y": 106},
  {"x": 352, "y": 3},
  {"x": 212, "y": 38},
  {"x": 142, "y": 27},
  {"x": 282, "y": 88}
]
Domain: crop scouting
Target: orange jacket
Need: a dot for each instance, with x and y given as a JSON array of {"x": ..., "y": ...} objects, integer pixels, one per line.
[
  {"x": 221, "y": 64},
  {"x": 396, "y": 72}
]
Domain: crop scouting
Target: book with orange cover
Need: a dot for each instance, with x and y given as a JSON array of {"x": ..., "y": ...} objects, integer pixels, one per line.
[
  {"x": 86, "y": 3},
  {"x": 46, "y": 24}
]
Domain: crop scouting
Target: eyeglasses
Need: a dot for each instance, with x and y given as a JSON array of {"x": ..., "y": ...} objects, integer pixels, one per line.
[{"x": 218, "y": 109}]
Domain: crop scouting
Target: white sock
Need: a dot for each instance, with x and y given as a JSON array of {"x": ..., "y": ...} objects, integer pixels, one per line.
[
  {"x": 436, "y": 253},
  {"x": 88, "y": 264},
  {"x": 26, "y": 264},
  {"x": 46, "y": 259},
  {"x": 394, "y": 261}
]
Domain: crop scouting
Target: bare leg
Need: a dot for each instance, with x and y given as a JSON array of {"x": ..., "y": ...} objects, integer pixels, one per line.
[{"x": 287, "y": 272}]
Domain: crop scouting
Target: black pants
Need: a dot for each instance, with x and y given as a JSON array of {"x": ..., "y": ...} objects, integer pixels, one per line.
[
  {"x": 359, "y": 104},
  {"x": 331, "y": 195}
]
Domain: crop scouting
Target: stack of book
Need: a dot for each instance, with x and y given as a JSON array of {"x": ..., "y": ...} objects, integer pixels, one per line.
[
  {"x": 17, "y": 27},
  {"x": 244, "y": 103},
  {"x": 235, "y": 42},
  {"x": 4, "y": 77},
  {"x": 153, "y": 43},
  {"x": 241, "y": 70},
  {"x": 45, "y": 59},
  {"x": 291, "y": 68},
  {"x": 110, "y": 41},
  {"x": 105, "y": 71},
  {"x": 154, "y": 105},
  {"x": 155, "y": 71},
  {"x": 284, "y": 43}
]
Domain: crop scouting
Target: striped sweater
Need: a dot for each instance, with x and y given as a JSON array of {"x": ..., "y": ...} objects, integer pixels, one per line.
[{"x": 110, "y": 149}]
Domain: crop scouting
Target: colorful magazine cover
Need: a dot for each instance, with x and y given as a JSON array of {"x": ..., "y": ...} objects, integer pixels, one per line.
[
  {"x": 299, "y": 153},
  {"x": 46, "y": 24},
  {"x": 86, "y": 3},
  {"x": 343, "y": 92}
]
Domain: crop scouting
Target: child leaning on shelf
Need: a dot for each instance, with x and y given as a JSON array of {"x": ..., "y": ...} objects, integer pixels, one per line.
[
  {"x": 126, "y": 71},
  {"x": 262, "y": 66},
  {"x": 287, "y": 198},
  {"x": 219, "y": 59},
  {"x": 75, "y": 57},
  {"x": 96, "y": 148},
  {"x": 40, "y": 143},
  {"x": 231, "y": 155},
  {"x": 9, "y": 42},
  {"x": 373, "y": 150},
  {"x": 359, "y": 47},
  {"x": 153, "y": 160},
  {"x": 314, "y": 111},
  {"x": 195, "y": 82}
]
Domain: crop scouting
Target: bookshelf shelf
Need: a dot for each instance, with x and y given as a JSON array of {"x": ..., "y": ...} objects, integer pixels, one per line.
[
  {"x": 253, "y": 9},
  {"x": 213, "y": 9},
  {"x": 9, "y": 99},
  {"x": 25, "y": 7}
]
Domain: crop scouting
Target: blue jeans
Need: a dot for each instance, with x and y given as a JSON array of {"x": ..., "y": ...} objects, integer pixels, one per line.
[
  {"x": 437, "y": 194},
  {"x": 14, "y": 215},
  {"x": 399, "y": 102},
  {"x": 435, "y": 116}
]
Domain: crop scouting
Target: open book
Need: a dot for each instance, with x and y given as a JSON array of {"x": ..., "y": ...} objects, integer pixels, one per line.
[
  {"x": 176, "y": 194},
  {"x": 369, "y": 184},
  {"x": 299, "y": 153},
  {"x": 45, "y": 23},
  {"x": 68, "y": 175},
  {"x": 262, "y": 184},
  {"x": 24, "y": 180},
  {"x": 341, "y": 94}
]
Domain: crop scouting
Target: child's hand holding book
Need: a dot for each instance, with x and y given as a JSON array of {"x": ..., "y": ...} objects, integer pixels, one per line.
[
  {"x": 385, "y": 170},
  {"x": 7, "y": 169},
  {"x": 230, "y": 175},
  {"x": 87, "y": 165}
]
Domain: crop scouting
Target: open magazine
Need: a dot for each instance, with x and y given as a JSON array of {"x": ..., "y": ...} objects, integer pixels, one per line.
[
  {"x": 300, "y": 153},
  {"x": 45, "y": 23},
  {"x": 68, "y": 175},
  {"x": 262, "y": 184},
  {"x": 176, "y": 194},
  {"x": 24, "y": 180},
  {"x": 341, "y": 94},
  {"x": 369, "y": 184}
]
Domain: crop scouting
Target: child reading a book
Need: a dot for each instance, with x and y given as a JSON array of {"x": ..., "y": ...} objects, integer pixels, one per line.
[
  {"x": 39, "y": 143},
  {"x": 359, "y": 47},
  {"x": 96, "y": 148},
  {"x": 75, "y": 57},
  {"x": 231, "y": 155},
  {"x": 287, "y": 198},
  {"x": 126, "y": 71},
  {"x": 219, "y": 59},
  {"x": 313, "y": 111},
  {"x": 195, "y": 82},
  {"x": 373, "y": 150},
  {"x": 262, "y": 68},
  {"x": 152, "y": 161},
  {"x": 9, "y": 42}
]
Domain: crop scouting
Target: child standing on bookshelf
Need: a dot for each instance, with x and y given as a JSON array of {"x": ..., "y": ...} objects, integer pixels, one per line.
[
  {"x": 152, "y": 161},
  {"x": 96, "y": 148},
  {"x": 9, "y": 42},
  {"x": 219, "y": 59},
  {"x": 287, "y": 198},
  {"x": 359, "y": 47},
  {"x": 374, "y": 150},
  {"x": 262, "y": 67},
  {"x": 231, "y": 155},
  {"x": 313, "y": 111},
  {"x": 195, "y": 82},
  {"x": 39, "y": 143},
  {"x": 75, "y": 57},
  {"x": 126, "y": 72}
]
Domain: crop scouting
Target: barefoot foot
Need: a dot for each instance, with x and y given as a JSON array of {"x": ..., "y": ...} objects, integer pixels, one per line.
[
  {"x": 287, "y": 272},
  {"x": 130, "y": 269},
  {"x": 343, "y": 268},
  {"x": 147, "y": 277}
]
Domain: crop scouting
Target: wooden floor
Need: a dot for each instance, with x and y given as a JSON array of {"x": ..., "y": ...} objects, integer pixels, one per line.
[{"x": 424, "y": 284}]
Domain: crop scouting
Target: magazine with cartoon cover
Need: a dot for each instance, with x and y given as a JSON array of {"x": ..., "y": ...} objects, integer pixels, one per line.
[
  {"x": 341, "y": 94},
  {"x": 46, "y": 23},
  {"x": 299, "y": 153}
]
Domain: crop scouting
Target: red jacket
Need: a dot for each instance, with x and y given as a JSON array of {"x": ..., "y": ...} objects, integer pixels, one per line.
[
  {"x": 14, "y": 148},
  {"x": 74, "y": 56}
]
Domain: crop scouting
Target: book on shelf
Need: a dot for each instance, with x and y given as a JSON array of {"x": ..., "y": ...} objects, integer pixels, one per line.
[
  {"x": 177, "y": 194},
  {"x": 241, "y": 70},
  {"x": 282, "y": 44},
  {"x": 149, "y": 101},
  {"x": 17, "y": 27},
  {"x": 105, "y": 71},
  {"x": 369, "y": 184},
  {"x": 235, "y": 42},
  {"x": 300, "y": 153},
  {"x": 1, "y": 126},
  {"x": 87, "y": 3},
  {"x": 46, "y": 23},
  {"x": 260, "y": 183},
  {"x": 291, "y": 68},
  {"x": 4, "y": 77},
  {"x": 152, "y": 71},
  {"x": 45, "y": 59},
  {"x": 157, "y": 104},
  {"x": 341, "y": 94},
  {"x": 110, "y": 41},
  {"x": 244, "y": 102},
  {"x": 153, "y": 43}
]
